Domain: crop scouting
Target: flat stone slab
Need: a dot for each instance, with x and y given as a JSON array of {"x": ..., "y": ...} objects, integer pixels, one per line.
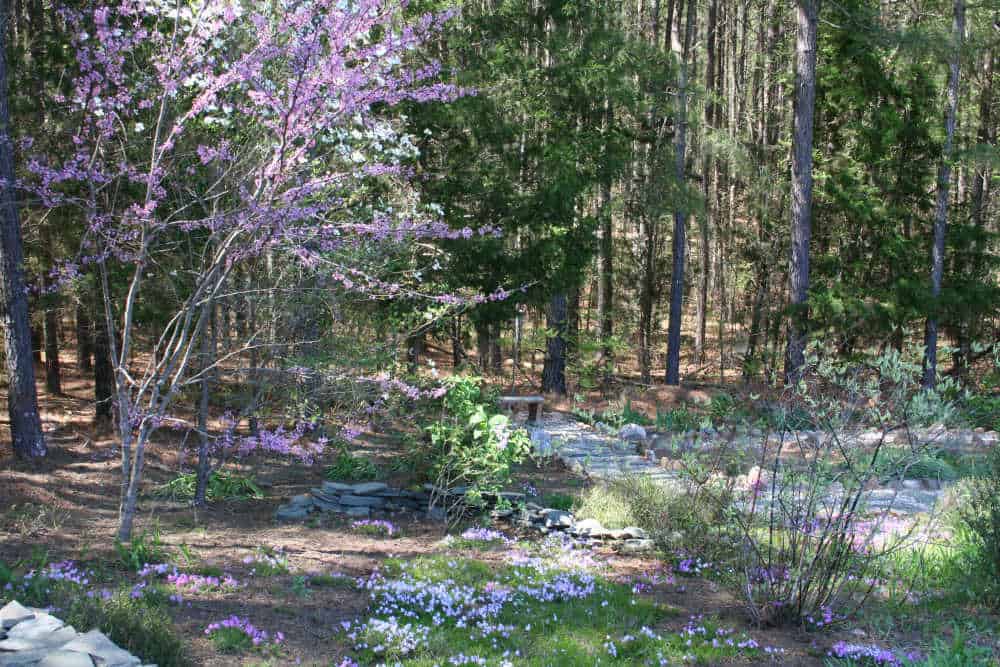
[
  {"x": 13, "y": 613},
  {"x": 97, "y": 644},
  {"x": 63, "y": 658},
  {"x": 368, "y": 488}
]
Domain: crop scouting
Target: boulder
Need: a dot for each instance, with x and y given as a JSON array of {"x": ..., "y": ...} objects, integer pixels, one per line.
[
  {"x": 361, "y": 501},
  {"x": 292, "y": 512},
  {"x": 557, "y": 518},
  {"x": 635, "y": 533},
  {"x": 541, "y": 443},
  {"x": 13, "y": 613},
  {"x": 636, "y": 546}
]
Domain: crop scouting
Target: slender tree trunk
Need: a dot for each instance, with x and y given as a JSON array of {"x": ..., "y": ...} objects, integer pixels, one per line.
[
  {"x": 807, "y": 17},
  {"x": 22, "y": 400},
  {"x": 457, "y": 349},
  {"x": 605, "y": 300},
  {"x": 84, "y": 338},
  {"x": 53, "y": 375},
  {"x": 941, "y": 207},
  {"x": 104, "y": 378},
  {"x": 496, "y": 353},
  {"x": 706, "y": 219},
  {"x": 554, "y": 371},
  {"x": 680, "y": 211},
  {"x": 483, "y": 346},
  {"x": 208, "y": 353}
]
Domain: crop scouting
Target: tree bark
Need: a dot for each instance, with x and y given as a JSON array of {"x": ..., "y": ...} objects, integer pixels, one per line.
[
  {"x": 208, "y": 354},
  {"x": 678, "y": 244},
  {"x": 605, "y": 298},
  {"x": 554, "y": 371},
  {"x": 706, "y": 219},
  {"x": 53, "y": 375},
  {"x": 941, "y": 205},
  {"x": 84, "y": 338},
  {"x": 807, "y": 17},
  {"x": 104, "y": 373},
  {"x": 22, "y": 400}
]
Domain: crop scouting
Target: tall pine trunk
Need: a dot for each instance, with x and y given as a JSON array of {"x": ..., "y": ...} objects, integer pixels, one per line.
[
  {"x": 554, "y": 371},
  {"x": 22, "y": 400},
  {"x": 807, "y": 18},
  {"x": 941, "y": 205},
  {"x": 680, "y": 210}
]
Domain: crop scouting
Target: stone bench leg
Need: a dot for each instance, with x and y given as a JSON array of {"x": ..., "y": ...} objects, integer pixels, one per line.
[{"x": 534, "y": 411}]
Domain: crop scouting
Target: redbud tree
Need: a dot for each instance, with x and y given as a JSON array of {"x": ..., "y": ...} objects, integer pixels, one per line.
[{"x": 219, "y": 131}]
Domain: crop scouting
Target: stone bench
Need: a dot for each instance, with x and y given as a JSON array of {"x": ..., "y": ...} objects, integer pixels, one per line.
[{"x": 534, "y": 404}]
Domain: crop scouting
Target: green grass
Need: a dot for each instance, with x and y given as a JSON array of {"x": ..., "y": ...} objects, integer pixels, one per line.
[{"x": 231, "y": 640}]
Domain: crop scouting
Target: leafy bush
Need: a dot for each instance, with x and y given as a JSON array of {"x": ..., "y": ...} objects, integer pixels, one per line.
[
  {"x": 139, "y": 625},
  {"x": 221, "y": 486},
  {"x": 983, "y": 411},
  {"x": 679, "y": 420},
  {"x": 671, "y": 517},
  {"x": 472, "y": 444},
  {"x": 981, "y": 515},
  {"x": 347, "y": 467},
  {"x": 558, "y": 501},
  {"x": 143, "y": 549},
  {"x": 807, "y": 546}
]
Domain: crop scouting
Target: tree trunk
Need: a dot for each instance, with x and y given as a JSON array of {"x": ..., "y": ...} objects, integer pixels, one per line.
[
  {"x": 208, "y": 353},
  {"x": 706, "y": 219},
  {"x": 807, "y": 17},
  {"x": 84, "y": 338},
  {"x": 941, "y": 207},
  {"x": 53, "y": 376},
  {"x": 104, "y": 374},
  {"x": 496, "y": 353},
  {"x": 22, "y": 400},
  {"x": 483, "y": 346},
  {"x": 554, "y": 371},
  {"x": 457, "y": 349},
  {"x": 605, "y": 298},
  {"x": 680, "y": 211}
]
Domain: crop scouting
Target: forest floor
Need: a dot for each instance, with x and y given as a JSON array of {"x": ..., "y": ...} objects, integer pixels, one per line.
[{"x": 65, "y": 508}]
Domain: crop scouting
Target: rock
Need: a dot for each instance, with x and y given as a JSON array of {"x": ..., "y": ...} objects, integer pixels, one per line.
[
  {"x": 632, "y": 433},
  {"x": 368, "y": 488},
  {"x": 557, "y": 518},
  {"x": 616, "y": 534},
  {"x": 292, "y": 512},
  {"x": 590, "y": 528},
  {"x": 358, "y": 512},
  {"x": 328, "y": 505},
  {"x": 42, "y": 624},
  {"x": 22, "y": 658},
  {"x": 303, "y": 500},
  {"x": 337, "y": 487},
  {"x": 62, "y": 658},
  {"x": 96, "y": 644},
  {"x": 13, "y": 613},
  {"x": 635, "y": 533},
  {"x": 636, "y": 546},
  {"x": 361, "y": 501}
]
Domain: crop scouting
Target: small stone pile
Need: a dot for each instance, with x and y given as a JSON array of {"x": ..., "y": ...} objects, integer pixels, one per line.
[
  {"x": 31, "y": 637},
  {"x": 354, "y": 500},
  {"x": 546, "y": 520}
]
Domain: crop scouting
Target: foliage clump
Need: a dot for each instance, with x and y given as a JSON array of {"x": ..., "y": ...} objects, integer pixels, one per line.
[{"x": 472, "y": 444}]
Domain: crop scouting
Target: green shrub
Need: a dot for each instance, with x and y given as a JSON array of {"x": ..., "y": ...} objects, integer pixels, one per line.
[
  {"x": 349, "y": 468},
  {"x": 981, "y": 515},
  {"x": 221, "y": 486},
  {"x": 138, "y": 625},
  {"x": 983, "y": 411},
  {"x": 472, "y": 444},
  {"x": 678, "y": 420},
  {"x": 558, "y": 501}
]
